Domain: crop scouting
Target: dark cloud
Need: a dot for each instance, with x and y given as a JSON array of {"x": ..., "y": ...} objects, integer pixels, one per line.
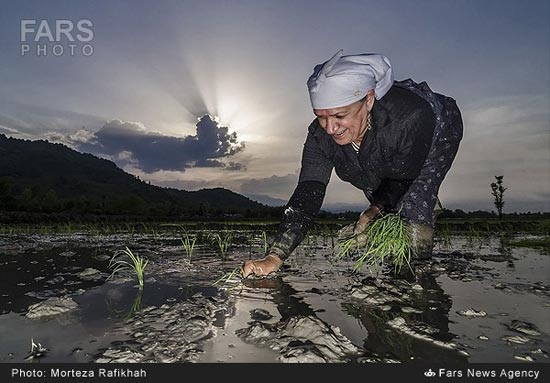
[
  {"x": 206, "y": 163},
  {"x": 151, "y": 152},
  {"x": 237, "y": 166}
]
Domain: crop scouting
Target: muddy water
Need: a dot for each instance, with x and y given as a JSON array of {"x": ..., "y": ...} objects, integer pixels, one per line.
[{"x": 475, "y": 301}]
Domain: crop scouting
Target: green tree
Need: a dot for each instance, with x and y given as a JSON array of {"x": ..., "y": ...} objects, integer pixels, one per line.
[
  {"x": 25, "y": 200},
  {"x": 497, "y": 190},
  {"x": 50, "y": 202},
  {"x": 7, "y": 200}
]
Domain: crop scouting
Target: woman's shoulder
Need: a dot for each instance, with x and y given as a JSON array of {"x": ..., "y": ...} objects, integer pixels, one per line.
[
  {"x": 320, "y": 137},
  {"x": 401, "y": 102},
  {"x": 314, "y": 126},
  {"x": 316, "y": 131}
]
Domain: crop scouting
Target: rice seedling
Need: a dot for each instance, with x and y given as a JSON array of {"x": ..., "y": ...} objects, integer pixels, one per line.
[
  {"x": 487, "y": 227},
  {"x": 145, "y": 228},
  {"x": 474, "y": 236},
  {"x": 325, "y": 233},
  {"x": 264, "y": 240},
  {"x": 230, "y": 280},
  {"x": 155, "y": 233},
  {"x": 135, "y": 263},
  {"x": 387, "y": 240},
  {"x": 347, "y": 247},
  {"x": 104, "y": 229},
  {"x": 222, "y": 241},
  {"x": 306, "y": 245},
  {"x": 8, "y": 230},
  {"x": 96, "y": 236},
  {"x": 68, "y": 227},
  {"x": 227, "y": 277},
  {"x": 543, "y": 242},
  {"x": 504, "y": 248},
  {"x": 130, "y": 228},
  {"x": 188, "y": 244},
  {"x": 37, "y": 351},
  {"x": 543, "y": 227},
  {"x": 445, "y": 236}
]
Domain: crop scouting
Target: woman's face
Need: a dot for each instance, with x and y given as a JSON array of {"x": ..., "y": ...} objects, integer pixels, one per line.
[{"x": 347, "y": 123}]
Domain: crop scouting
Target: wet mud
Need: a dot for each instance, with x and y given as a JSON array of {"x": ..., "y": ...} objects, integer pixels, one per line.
[{"x": 472, "y": 302}]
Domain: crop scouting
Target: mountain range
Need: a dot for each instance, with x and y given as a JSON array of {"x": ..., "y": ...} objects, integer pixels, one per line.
[{"x": 50, "y": 177}]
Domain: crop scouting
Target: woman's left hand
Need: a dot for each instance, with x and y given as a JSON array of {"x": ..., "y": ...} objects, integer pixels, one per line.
[
  {"x": 361, "y": 225},
  {"x": 365, "y": 218}
]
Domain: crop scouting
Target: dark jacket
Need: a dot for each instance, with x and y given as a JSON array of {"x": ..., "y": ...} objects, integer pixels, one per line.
[{"x": 392, "y": 155}]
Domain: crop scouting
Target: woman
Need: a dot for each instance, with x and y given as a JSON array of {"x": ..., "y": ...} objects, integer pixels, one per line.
[{"x": 393, "y": 140}]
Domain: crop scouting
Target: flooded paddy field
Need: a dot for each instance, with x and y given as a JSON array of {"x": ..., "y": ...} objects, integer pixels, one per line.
[{"x": 477, "y": 300}]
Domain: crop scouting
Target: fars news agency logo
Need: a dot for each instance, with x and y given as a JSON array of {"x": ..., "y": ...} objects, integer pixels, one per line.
[
  {"x": 429, "y": 374},
  {"x": 62, "y": 37}
]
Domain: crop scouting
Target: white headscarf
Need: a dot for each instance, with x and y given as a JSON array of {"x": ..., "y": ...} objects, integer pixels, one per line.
[{"x": 343, "y": 80}]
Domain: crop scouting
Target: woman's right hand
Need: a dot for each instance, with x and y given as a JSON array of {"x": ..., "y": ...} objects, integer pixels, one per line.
[{"x": 261, "y": 267}]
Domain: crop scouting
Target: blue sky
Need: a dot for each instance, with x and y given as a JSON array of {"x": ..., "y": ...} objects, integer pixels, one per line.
[{"x": 158, "y": 66}]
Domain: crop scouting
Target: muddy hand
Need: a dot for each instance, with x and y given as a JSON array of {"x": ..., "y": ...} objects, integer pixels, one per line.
[
  {"x": 260, "y": 267},
  {"x": 360, "y": 226},
  {"x": 346, "y": 232},
  {"x": 365, "y": 219}
]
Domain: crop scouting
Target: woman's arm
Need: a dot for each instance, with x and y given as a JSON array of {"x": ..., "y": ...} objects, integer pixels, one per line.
[
  {"x": 306, "y": 201},
  {"x": 298, "y": 217},
  {"x": 301, "y": 209},
  {"x": 420, "y": 199}
]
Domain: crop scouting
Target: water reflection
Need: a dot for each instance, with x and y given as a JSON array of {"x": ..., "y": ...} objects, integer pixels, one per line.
[
  {"x": 33, "y": 276},
  {"x": 430, "y": 317},
  {"x": 283, "y": 296},
  {"x": 431, "y": 305},
  {"x": 127, "y": 312}
]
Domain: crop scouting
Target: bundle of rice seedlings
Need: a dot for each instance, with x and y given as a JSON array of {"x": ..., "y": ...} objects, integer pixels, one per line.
[
  {"x": 387, "y": 240},
  {"x": 135, "y": 263}
]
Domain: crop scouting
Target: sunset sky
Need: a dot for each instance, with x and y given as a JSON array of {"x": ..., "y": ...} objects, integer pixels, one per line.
[{"x": 157, "y": 67}]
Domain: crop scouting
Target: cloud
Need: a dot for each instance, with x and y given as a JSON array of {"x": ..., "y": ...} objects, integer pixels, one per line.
[
  {"x": 510, "y": 206},
  {"x": 32, "y": 121},
  {"x": 74, "y": 140},
  {"x": 507, "y": 136},
  {"x": 129, "y": 142},
  {"x": 6, "y": 130}
]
